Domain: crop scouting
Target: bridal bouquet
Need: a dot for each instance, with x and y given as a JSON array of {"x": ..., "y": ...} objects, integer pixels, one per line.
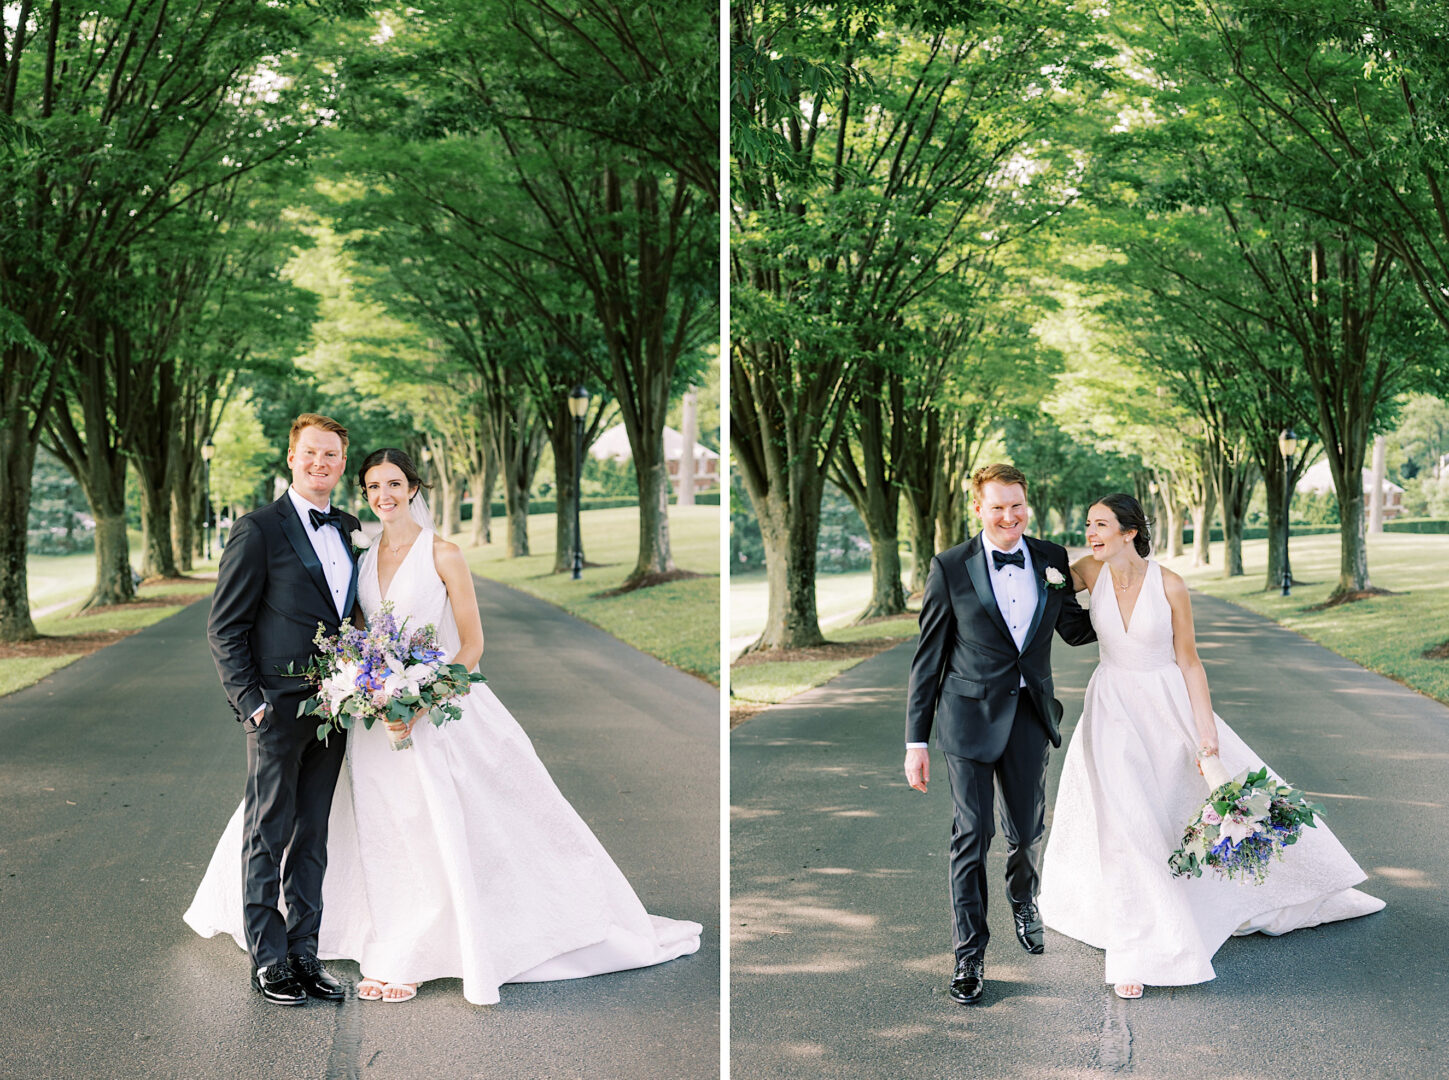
[
  {"x": 1245, "y": 823},
  {"x": 385, "y": 672}
]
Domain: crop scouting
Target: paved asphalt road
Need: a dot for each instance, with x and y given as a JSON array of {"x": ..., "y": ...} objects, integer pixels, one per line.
[
  {"x": 118, "y": 773},
  {"x": 840, "y": 934}
]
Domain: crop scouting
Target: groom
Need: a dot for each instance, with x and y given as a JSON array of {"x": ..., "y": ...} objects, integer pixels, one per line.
[
  {"x": 982, "y": 676},
  {"x": 286, "y": 568}
]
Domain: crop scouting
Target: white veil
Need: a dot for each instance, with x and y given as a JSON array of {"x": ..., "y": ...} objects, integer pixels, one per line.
[
  {"x": 448, "y": 627},
  {"x": 418, "y": 507}
]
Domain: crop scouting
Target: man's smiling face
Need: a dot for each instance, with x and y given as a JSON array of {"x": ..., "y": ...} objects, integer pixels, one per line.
[{"x": 316, "y": 462}]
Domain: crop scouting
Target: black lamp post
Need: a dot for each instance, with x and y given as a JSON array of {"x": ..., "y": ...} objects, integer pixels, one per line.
[
  {"x": 578, "y": 408},
  {"x": 1287, "y": 444},
  {"x": 208, "y": 451}
]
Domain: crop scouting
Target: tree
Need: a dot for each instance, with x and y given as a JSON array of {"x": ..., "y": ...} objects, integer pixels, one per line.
[
  {"x": 627, "y": 222},
  {"x": 879, "y": 155},
  {"x": 149, "y": 110}
]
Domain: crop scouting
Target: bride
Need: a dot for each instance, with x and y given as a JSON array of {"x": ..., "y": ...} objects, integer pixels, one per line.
[
  {"x": 458, "y": 857},
  {"x": 1131, "y": 782}
]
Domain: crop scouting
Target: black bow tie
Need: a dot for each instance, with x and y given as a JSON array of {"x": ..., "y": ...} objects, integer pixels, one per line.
[
  {"x": 998, "y": 558},
  {"x": 331, "y": 517}
]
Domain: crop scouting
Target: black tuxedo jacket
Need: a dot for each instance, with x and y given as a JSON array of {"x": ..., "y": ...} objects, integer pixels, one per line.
[
  {"x": 967, "y": 672},
  {"x": 270, "y": 595}
]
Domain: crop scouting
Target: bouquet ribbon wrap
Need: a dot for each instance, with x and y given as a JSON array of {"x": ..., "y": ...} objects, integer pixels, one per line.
[{"x": 1214, "y": 772}]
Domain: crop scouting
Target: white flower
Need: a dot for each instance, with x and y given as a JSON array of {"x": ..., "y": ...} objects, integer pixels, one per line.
[
  {"x": 360, "y": 539},
  {"x": 404, "y": 680},
  {"x": 1054, "y": 576},
  {"x": 341, "y": 685},
  {"x": 1236, "y": 829}
]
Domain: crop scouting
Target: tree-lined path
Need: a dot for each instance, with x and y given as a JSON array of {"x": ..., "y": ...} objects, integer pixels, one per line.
[
  {"x": 840, "y": 946},
  {"x": 119, "y": 772}
]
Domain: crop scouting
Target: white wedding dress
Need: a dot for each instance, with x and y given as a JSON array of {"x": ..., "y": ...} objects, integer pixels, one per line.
[
  {"x": 457, "y": 858},
  {"x": 1129, "y": 786}
]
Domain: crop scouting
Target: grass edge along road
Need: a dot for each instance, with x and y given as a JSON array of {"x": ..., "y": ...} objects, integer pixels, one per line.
[
  {"x": 1385, "y": 634},
  {"x": 677, "y": 622},
  {"x": 93, "y": 631}
]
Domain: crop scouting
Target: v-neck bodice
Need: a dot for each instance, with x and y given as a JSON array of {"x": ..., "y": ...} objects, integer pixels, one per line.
[
  {"x": 1146, "y": 642},
  {"x": 416, "y": 592}
]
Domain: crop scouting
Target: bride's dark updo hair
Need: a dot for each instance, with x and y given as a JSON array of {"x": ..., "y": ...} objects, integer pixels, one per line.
[
  {"x": 390, "y": 455},
  {"x": 1128, "y": 512}
]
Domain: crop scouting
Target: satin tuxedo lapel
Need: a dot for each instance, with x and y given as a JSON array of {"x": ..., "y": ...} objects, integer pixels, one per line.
[
  {"x": 981, "y": 581},
  {"x": 351, "y": 584},
  {"x": 1038, "y": 568},
  {"x": 296, "y": 534}
]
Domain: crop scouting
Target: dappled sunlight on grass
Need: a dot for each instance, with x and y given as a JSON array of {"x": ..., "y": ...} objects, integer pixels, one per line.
[
  {"x": 1386, "y": 634},
  {"x": 678, "y": 622},
  {"x": 769, "y": 683}
]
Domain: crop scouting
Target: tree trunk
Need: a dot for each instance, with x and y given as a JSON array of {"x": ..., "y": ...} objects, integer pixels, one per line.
[
  {"x": 951, "y": 522},
  {"x": 113, "y": 557},
  {"x": 1353, "y": 571},
  {"x": 1203, "y": 513},
  {"x": 483, "y": 483},
  {"x": 1172, "y": 511},
  {"x": 1273, "y": 468},
  {"x": 923, "y": 543},
  {"x": 887, "y": 597},
  {"x": 1235, "y": 488},
  {"x": 455, "y": 502},
  {"x": 157, "y": 557},
  {"x": 791, "y": 619},
  {"x": 655, "y": 556},
  {"x": 1232, "y": 543},
  {"x": 183, "y": 507},
  {"x": 442, "y": 500},
  {"x": 561, "y": 438},
  {"x": 17, "y": 463},
  {"x": 1167, "y": 523},
  {"x": 515, "y": 503}
]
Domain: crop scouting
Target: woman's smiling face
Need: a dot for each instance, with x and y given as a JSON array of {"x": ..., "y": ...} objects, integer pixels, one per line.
[{"x": 386, "y": 488}]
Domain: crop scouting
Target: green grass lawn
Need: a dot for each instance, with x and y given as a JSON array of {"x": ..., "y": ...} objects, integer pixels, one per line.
[
  {"x": 66, "y": 581},
  {"x": 678, "y": 622},
  {"x": 1387, "y": 634},
  {"x": 769, "y": 682},
  {"x": 839, "y": 598}
]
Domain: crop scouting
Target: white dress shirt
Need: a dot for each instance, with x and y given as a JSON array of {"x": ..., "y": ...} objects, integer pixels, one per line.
[
  {"x": 331, "y": 550},
  {"x": 1016, "y": 594},
  {"x": 332, "y": 553}
]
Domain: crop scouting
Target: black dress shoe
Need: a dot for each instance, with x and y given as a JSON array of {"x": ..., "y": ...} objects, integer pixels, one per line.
[
  {"x": 969, "y": 981},
  {"x": 278, "y": 984},
  {"x": 315, "y": 979},
  {"x": 1028, "y": 927}
]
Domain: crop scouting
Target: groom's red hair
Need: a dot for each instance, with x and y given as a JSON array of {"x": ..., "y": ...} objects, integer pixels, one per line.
[
  {"x": 1001, "y": 473},
  {"x": 316, "y": 420}
]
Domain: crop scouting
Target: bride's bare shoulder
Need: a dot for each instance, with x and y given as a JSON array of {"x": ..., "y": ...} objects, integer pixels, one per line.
[
  {"x": 447, "y": 553},
  {"x": 1173, "y": 585}
]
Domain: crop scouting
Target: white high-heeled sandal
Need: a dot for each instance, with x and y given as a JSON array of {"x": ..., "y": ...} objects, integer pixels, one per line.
[{"x": 1124, "y": 990}]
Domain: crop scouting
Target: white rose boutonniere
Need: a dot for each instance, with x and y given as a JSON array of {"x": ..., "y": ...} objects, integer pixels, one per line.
[
  {"x": 1054, "y": 578},
  {"x": 360, "y": 539}
]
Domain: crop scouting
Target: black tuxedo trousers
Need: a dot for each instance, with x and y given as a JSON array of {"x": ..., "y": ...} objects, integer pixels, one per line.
[
  {"x": 1016, "y": 784},
  {"x": 291, "y": 775}
]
